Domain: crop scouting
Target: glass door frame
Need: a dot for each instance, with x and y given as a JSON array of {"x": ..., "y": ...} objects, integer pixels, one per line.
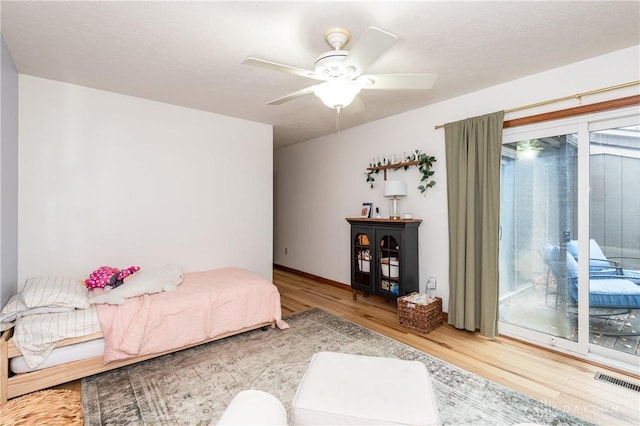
[
  {"x": 581, "y": 125},
  {"x": 601, "y": 354}
]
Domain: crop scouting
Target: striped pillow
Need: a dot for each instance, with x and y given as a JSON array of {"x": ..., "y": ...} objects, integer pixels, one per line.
[
  {"x": 54, "y": 291},
  {"x": 15, "y": 308}
]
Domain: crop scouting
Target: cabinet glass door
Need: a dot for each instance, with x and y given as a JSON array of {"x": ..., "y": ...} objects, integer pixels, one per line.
[
  {"x": 389, "y": 263},
  {"x": 363, "y": 258}
]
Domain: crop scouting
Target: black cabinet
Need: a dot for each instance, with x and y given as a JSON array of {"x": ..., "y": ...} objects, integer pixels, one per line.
[{"x": 384, "y": 256}]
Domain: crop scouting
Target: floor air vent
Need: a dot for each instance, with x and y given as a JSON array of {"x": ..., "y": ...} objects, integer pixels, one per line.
[{"x": 618, "y": 382}]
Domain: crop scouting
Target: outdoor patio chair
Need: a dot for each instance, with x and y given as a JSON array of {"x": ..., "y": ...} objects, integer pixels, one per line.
[
  {"x": 609, "y": 294},
  {"x": 599, "y": 264}
]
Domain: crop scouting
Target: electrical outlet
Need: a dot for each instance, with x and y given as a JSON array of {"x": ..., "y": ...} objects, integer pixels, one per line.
[{"x": 431, "y": 283}]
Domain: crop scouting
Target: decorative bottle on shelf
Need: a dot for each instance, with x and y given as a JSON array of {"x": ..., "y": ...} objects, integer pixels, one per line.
[{"x": 378, "y": 215}]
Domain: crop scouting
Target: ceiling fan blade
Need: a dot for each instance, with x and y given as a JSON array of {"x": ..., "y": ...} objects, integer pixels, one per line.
[
  {"x": 397, "y": 81},
  {"x": 292, "y": 96},
  {"x": 261, "y": 63},
  {"x": 369, "y": 48}
]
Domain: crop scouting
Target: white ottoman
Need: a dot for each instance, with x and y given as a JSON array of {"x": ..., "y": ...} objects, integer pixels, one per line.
[
  {"x": 349, "y": 389},
  {"x": 254, "y": 407}
]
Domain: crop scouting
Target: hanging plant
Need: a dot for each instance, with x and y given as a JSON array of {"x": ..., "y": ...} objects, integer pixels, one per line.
[
  {"x": 370, "y": 178},
  {"x": 425, "y": 163}
]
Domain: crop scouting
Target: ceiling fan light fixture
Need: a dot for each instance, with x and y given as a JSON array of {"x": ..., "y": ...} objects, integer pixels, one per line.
[
  {"x": 337, "y": 93},
  {"x": 341, "y": 71}
]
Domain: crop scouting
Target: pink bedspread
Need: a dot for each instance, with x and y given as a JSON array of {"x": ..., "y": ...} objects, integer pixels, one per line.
[{"x": 205, "y": 305}]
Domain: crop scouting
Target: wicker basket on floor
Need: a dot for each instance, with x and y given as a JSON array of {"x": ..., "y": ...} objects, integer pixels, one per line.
[
  {"x": 421, "y": 318},
  {"x": 49, "y": 407}
]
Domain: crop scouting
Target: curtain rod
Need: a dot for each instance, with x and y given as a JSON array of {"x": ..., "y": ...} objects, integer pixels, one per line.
[{"x": 564, "y": 98}]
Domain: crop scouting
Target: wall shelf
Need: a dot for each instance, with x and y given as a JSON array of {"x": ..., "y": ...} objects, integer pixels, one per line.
[{"x": 393, "y": 166}]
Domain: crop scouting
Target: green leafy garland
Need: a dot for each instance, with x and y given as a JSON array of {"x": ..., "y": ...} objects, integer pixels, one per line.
[
  {"x": 370, "y": 177},
  {"x": 425, "y": 163}
]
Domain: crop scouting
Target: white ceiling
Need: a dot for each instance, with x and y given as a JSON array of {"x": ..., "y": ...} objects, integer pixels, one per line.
[{"x": 190, "y": 53}]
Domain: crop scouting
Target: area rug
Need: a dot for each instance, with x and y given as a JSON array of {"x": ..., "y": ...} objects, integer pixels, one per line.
[{"x": 194, "y": 386}]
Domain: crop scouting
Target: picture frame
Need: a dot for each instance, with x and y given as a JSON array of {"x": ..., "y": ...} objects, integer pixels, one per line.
[{"x": 366, "y": 210}]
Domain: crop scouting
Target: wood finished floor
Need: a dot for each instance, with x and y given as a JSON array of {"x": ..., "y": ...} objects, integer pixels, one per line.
[
  {"x": 564, "y": 382},
  {"x": 561, "y": 381}
]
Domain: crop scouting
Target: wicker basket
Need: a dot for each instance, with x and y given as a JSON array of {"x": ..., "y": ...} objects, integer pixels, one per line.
[
  {"x": 49, "y": 407},
  {"x": 417, "y": 317}
]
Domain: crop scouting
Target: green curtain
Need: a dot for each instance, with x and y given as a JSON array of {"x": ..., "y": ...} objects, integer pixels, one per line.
[{"x": 473, "y": 150}]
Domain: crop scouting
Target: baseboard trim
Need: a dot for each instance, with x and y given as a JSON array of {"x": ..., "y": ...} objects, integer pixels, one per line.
[
  {"x": 323, "y": 280},
  {"x": 327, "y": 281}
]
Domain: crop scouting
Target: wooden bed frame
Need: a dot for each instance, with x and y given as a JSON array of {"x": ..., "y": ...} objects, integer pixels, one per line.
[{"x": 15, "y": 385}]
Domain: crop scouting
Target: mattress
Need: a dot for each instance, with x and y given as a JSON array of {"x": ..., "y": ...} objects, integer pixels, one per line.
[
  {"x": 61, "y": 355},
  {"x": 207, "y": 304},
  {"x": 35, "y": 336}
]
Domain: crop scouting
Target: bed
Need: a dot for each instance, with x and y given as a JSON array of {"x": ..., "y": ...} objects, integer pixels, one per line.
[{"x": 206, "y": 306}]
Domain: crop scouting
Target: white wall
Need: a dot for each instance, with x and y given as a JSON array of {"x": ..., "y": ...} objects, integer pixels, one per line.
[
  {"x": 8, "y": 175},
  {"x": 107, "y": 179},
  {"x": 320, "y": 182}
]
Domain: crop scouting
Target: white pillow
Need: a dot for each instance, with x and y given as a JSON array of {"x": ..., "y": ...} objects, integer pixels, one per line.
[
  {"x": 15, "y": 308},
  {"x": 54, "y": 291},
  {"x": 148, "y": 281}
]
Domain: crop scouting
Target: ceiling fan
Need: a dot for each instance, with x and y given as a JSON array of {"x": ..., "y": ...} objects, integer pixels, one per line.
[{"x": 342, "y": 71}]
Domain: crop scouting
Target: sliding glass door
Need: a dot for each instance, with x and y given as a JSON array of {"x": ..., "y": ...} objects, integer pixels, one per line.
[
  {"x": 614, "y": 238},
  {"x": 571, "y": 188},
  {"x": 538, "y": 214}
]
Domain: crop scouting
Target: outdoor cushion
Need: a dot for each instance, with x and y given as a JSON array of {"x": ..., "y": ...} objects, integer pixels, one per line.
[
  {"x": 610, "y": 293},
  {"x": 597, "y": 259}
]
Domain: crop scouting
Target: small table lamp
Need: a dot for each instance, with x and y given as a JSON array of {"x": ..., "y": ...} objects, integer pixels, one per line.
[{"x": 395, "y": 189}]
